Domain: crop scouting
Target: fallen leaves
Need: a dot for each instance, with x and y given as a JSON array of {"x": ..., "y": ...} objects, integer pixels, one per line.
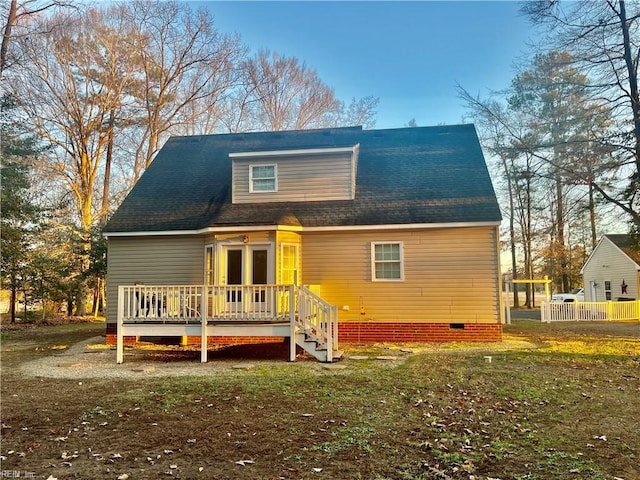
[
  {"x": 69, "y": 455},
  {"x": 438, "y": 419}
]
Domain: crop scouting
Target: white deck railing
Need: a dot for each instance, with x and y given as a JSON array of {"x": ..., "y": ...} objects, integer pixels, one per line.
[
  {"x": 589, "y": 311},
  {"x": 186, "y": 303},
  {"x": 199, "y": 308},
  {"x": 318, "y": 320},
  {"x": 153, "y": 304}
]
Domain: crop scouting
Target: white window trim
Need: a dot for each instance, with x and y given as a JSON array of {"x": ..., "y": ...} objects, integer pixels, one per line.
[
  {"x": 373, "y": 262},
  {"x": 296, "y": 270},
  {"x": 210, "y": 274},
  {"x": 275, "y": 177},
  {"x": 220, "y": 265}
]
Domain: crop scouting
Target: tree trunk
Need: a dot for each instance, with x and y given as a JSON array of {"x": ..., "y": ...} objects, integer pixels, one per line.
[
  {"x": 24, "y": 299},
  {"x": 632, "y": 73},
  {"x": 12, "y": 303},
  {"x": 11, "y": 21},
  {"x": 153, "y": 145},
  {"x": 512, "y": 230},
  {"x": 97, "y": 298},
  {"x": 592, "y": 217},
  {"x": 516, "y": 299},
  {"x": 527, "y": 238},
  {"x": 107, "y": 168},
  {"x": 560, "y": 240},
  {"x": 81, "y": 300}
]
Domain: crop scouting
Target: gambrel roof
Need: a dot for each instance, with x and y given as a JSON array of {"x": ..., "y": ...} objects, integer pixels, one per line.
[{"x": 426, "y": 175}]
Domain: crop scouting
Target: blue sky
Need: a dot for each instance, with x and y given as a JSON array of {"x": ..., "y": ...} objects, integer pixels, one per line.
[{"x": 410, "y": 55}]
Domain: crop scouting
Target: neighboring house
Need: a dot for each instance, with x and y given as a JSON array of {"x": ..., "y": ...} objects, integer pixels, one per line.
[
  {"x": 391, "y": 234},
  {"x": 611, "y": 271}
]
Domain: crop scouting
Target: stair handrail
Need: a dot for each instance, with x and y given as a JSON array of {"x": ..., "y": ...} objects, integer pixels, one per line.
[{"x": 318, "y": 319}]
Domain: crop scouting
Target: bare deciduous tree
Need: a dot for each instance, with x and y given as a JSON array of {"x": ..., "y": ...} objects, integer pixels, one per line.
[
  {"x": 359, "y": 112},
  {"x": 286, "y": 94},
  {"x": 66, "y": 101},
  {"x": 186, "y": 68},
  {"x": 18, "y": 15},
  {"x": 543, "y": 135},
  {"x": 69, "y": 85},
  {"x": 604, "y": 39},
  {"x": 282, "y": 93}
]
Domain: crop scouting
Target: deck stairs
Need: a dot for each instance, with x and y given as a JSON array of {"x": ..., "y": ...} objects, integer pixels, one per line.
[
  {"x": 317, "y": 349},
  {"x": 316, "y": 328}
]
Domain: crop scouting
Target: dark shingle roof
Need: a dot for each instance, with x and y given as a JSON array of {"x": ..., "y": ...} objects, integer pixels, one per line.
[
  {"x": 625, "y": 243},
  {"x": 407, "y": 175}
]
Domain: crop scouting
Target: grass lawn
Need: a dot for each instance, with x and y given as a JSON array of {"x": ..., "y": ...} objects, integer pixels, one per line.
[{"x": 566, "y": 409}]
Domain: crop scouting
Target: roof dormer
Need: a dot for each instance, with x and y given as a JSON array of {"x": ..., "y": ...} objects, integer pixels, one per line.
[{"x": 302, "y": 175}]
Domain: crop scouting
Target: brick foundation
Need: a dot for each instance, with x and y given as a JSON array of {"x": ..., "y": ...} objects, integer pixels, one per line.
[{"x": 367, "y": 332}]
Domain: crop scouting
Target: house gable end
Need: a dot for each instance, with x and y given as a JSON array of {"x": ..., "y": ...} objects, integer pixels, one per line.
[{"x": 616, "y": 242}]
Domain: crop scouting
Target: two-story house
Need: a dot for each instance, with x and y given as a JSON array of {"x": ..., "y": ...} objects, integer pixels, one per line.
[{"x": 316, "y": 235}]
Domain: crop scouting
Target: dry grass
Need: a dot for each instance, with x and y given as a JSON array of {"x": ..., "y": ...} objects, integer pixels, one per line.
[{"x": 561, "y": 404}]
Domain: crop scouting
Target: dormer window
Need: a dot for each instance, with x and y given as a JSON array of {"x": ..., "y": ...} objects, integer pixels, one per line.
[{"x": 263, "y": 178}]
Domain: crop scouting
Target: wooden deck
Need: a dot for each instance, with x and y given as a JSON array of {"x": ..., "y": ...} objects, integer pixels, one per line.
[{"x": 229, "y": 310}]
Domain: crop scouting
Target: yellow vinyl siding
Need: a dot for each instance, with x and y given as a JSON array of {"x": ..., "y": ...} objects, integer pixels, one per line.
[
  {"x": 450, "y": 275},
  {"x": 330, "y": 177},
  {"x": 152, "y": 261}
]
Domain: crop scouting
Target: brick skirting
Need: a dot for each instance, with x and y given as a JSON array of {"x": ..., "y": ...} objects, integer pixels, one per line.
[{"x": 368, "y": 332}]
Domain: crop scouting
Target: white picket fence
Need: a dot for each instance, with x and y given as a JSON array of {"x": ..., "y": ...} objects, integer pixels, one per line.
[{"x": 590, "y": 311}]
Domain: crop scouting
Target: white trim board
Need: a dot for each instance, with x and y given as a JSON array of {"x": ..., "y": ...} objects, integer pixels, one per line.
[{"x": 288, "y": 228}]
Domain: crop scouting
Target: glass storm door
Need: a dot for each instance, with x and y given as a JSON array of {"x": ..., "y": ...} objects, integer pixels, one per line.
[
  {"x": 246, "y": 275},
  {"x": 259, "y": 269},
  {"x": 234, "y": 277}
]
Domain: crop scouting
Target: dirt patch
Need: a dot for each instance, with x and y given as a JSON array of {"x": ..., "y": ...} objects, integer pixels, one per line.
[{"x": 91, "y": 358}]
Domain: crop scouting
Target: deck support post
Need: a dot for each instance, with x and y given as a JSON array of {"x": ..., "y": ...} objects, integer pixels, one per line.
[
  {"x": 204, "y": 344},
  {"x": 292, "y": 324},
  {"x": 119, "y": 327}
]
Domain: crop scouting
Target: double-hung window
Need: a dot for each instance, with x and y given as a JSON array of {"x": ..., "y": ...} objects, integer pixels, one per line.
[
  {"x": 262, "y": 178},
  {"x": 386, "y": 261}
]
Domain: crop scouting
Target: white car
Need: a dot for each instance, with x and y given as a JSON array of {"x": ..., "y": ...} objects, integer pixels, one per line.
[{"x": 576, "y": 295}]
